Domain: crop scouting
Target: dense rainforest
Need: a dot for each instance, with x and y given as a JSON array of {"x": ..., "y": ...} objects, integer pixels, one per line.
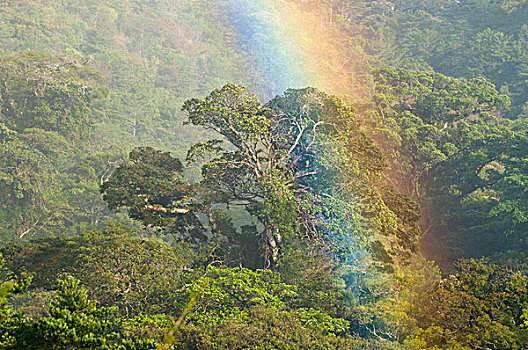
[{"x": 162, "y": 187}]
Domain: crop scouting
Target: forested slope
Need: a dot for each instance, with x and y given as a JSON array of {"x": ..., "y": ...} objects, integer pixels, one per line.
[
  {"x": 462, "y": 39},
  {"x": 469, "y": 179},
  {"x": 465, "y": 213},
  {"x": 153, "y": 56},
  {"x": 150, "y": 57},
  {"x": 154, "y": 195}
]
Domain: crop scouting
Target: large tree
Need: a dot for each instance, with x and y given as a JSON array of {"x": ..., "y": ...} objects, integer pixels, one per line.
[
  {"x": 300, "y": 166},
  {"x": 288, "y": 162}
]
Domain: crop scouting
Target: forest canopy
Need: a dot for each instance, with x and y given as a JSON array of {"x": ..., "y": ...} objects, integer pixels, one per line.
[{"x": 158, "y": 193}]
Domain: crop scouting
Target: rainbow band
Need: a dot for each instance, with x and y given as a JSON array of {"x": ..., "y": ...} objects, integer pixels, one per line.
[
  {"x": 292, "y": 47},
  {"x": 293, "y": 44}
]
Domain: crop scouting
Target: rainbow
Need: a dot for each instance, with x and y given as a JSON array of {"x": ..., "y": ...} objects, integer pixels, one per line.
[{"x": 292, "y": 46}]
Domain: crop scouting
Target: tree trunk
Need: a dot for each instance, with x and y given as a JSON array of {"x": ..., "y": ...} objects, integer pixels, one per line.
[{"x": 272, "y": 249}]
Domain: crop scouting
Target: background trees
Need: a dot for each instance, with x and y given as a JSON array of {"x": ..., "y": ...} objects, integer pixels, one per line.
[
  {"x": 48, "y": 93},
  {"x": 152, "y": 58},
  {"x": 450, "y": 150},
  {"x": 48, "y": 184},
  {"x": 468, "y": 39}
]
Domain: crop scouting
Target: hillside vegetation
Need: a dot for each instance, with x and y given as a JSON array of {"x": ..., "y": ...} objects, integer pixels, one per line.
[{"x": 155, "y": 196}]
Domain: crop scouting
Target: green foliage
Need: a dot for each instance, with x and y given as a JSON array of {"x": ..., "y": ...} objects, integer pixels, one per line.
[
  {"x": 295, "y": 184},
  {"x": 315, "y": 277},
  {"x": 321, "y": 321},
  {"x": 470, "y": 39},
  {"x": 301, "y": 165},
  {"x": 152, "y": 190},
  {"x": 385, "y": 312},
  {"x": 137, "y": 276},
  {"x": 243, "y": 308},
  {"x": 130, "y": 274},
  {"x": 9, "y": 321},
  {"x": 47, "y": 183},
  {"x": 437, "y": 99},
  {"x": 75, "y": 322},
  {"x": 267, "y": 328},
  {"x": 46, "y": 92},
  {"x": 453, "y": 153},
  {"x": 480, "y": 306},
  {"x": 152, "y": 57},
  {"x": 234, "y": 290}
]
